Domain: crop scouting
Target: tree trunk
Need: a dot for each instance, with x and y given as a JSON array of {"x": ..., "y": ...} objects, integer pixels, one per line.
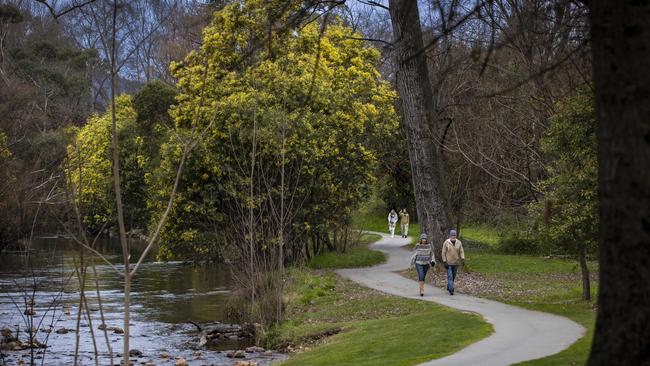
[
  {"x": 419, "y": 120},
  {"x": 586, "y": 285},
  {"x": 621, "y": 62}
]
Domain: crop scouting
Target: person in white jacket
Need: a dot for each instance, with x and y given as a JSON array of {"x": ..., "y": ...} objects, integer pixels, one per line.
[{"x": 392, "y": 221}]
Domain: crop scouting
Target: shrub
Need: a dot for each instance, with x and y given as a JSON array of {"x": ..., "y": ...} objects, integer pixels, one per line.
[{"x": 517, "y": 243}]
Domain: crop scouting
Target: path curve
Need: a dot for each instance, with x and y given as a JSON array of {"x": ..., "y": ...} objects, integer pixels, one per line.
[{"x": 519, "y": 334}]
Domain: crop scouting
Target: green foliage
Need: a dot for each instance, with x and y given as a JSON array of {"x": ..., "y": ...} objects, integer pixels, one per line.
[
  {"x": 357, "y": 256},
  {"x": 89, "y": 167},
  {"x": 323, "y": 120},
  {"x": 518, "y": 243},
  {"x": 569, "y": 212},
  {"x": 142, "y": 124},
  {"x": 152, "y": 104}
]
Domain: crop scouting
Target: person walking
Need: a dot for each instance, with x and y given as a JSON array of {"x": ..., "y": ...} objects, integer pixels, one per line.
[
  {"x": 404, "y": 222},
  {"x": 392, "y": 220},
  {"x": 422, "y": 259},
  {"x": 453, "y": 255}
]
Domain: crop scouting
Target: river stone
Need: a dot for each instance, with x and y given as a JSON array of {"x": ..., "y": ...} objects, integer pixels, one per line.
[
  {"x": 164, "y": 355},
  {"x": 254, "y": 349},
  {"x": 117, "y": 330},
  {"x": 181, "y": 362},
  {"x": 135, "y": 353},
  {"x": 236, "y": 354},
  {"x": 203, "y": 340},
  {"x": 246, "y": 363},
  {"x": 62, "y": 331}
]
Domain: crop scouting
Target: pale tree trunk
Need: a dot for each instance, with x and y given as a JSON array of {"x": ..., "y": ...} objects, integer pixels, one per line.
[
  {"x": 118, "y": 191},
  {"x": 419, "y": 120},
  {"x": 621, "y": 61}
]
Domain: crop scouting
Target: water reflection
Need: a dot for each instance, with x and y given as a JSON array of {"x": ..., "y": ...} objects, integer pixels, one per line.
[{"x": 165, "y": 296}]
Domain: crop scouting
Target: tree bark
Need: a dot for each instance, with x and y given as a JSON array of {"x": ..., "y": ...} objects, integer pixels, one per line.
[
  {"x": 621, "y": 61},
  {"x": 586, "y": 284},
  {"x": 419, "y": 120}
]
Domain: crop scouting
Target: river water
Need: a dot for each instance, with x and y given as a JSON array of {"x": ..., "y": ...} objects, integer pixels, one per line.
[{"x": 165, "y": 296}]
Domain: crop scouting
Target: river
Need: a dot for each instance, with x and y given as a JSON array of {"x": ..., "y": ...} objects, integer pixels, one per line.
[{"x": 165, "y": 296}]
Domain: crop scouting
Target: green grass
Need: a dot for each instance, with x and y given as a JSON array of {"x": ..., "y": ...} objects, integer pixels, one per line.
[
  {"x": 357, "y": 256},
  {"x": 493, "y": 264},
  {"x": 372, "y": 328},
  {"x": 480, "y": 233}
]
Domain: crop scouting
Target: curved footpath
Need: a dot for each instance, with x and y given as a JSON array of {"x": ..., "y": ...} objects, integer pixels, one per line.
[{"x": 519, "y": 334}]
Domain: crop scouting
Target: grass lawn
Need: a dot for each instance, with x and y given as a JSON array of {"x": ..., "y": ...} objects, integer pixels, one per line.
[
  {"x": 357, "y": 256},
  {"x": 481, "y": 234},
  {"x": 338, "y": 322}
]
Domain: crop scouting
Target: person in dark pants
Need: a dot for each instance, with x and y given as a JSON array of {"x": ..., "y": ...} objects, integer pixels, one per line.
[
  {"x": 422, "y": 258},
  {"x": 453, "y": 255}
]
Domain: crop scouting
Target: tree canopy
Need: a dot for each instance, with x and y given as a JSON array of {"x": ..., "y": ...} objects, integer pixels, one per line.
[{"x": 311, "y": 104}]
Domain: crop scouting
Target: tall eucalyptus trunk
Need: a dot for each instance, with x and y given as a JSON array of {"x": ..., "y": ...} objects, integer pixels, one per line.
[
  {"x": 420, "y": 122},
  {"x": 621, "y": 62}
]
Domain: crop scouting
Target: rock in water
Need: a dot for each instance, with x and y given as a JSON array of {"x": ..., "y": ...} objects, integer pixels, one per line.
[
  {"x": 135, "y": 353},
  {"x": 246, "y": 363},
  {"x": 181, "y": 362},
  {"x": 236, "y": 354},
  {"x": 254, "y": 349},
  {"x": 203, "y": 341}
]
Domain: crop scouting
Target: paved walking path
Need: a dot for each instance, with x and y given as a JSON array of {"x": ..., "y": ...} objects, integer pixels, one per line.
[{"x": 519, "y": 334}]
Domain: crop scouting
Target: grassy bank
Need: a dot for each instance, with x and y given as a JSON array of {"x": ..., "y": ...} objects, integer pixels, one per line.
[{"x": 333, "y": 321}]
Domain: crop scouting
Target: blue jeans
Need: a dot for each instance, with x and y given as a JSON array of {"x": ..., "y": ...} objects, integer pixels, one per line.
[
  {"x": 422, "y": 271},
  {"x": 451, "y": 276}
]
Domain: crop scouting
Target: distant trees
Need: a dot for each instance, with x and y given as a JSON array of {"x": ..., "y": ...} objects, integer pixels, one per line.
[{"x": 43, "y": 89}]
